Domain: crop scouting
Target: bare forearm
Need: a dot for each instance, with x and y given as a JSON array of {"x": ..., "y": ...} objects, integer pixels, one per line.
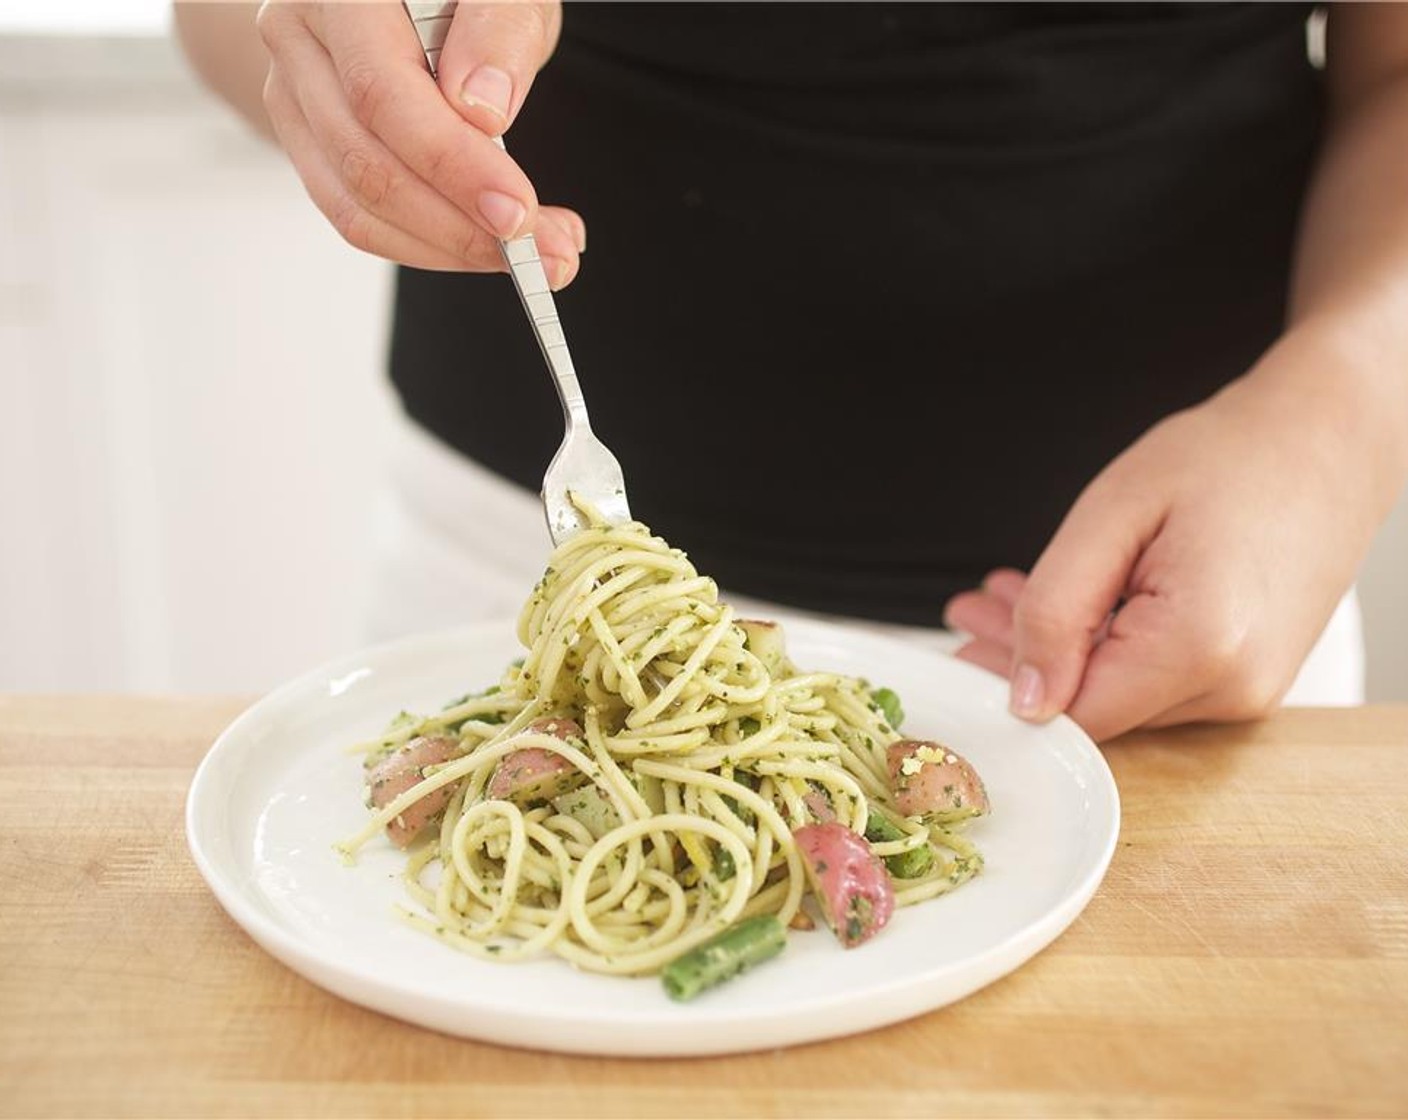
[
  {"x": 224, "y": 48},
  {"x": 1350, "y": 286},
  {"x": 1352, "y": 262}
]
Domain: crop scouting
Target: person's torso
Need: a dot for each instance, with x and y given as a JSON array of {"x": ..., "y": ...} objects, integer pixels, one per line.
[{"x": 873, "y": 290}]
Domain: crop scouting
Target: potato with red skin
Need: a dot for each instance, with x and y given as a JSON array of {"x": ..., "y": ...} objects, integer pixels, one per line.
[
  {"x": 556, "y": 726},
  {"x": 535, "y": 773},
  {"x": 819, "y": 805},
  {"x": 933, "y": 781},
  {"x": 405, "y": 767},
  {"x": 849, "y": 881}
]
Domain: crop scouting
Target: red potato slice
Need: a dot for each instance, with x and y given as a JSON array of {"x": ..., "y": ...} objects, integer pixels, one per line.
[
  {"x": 407, "y": 767},
  {"x": 849, "y": 881},
  {"x": 556, "y": 726},
  {"x": 935, "y": 782},
  {"x": 535, "y": 773},
  {"x": 819, "y": 805}
]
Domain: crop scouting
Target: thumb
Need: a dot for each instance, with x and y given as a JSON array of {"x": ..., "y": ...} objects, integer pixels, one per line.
[
  {"x": 491, "y": 55},
  {"x": 1066, "y": 603}
]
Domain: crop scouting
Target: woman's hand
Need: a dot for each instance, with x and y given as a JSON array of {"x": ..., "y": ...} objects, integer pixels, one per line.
[
  {"x": 1227, "y": 534},
  {"x": 402, "y": 167},
  {"x": 1192, "y": 577}
]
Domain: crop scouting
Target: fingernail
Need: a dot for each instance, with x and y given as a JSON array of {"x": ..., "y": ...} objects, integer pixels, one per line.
[
  {"x": 489, "y": 88},
  {"x": 504, "y": 213},
  {"x": 558, "y": 270},
  {"x": 1028, "y": 691},
  {"x": 579, "y": 234}
]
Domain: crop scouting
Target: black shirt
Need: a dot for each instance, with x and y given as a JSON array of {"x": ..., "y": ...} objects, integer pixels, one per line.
[{"x": 874, "y": 290}]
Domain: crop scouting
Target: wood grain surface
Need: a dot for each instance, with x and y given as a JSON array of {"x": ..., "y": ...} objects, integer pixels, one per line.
[{"x": 1247, "y": 955}]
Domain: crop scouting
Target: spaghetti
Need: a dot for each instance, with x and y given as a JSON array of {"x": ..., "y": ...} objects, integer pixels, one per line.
[{"x": 635, "y": 784}]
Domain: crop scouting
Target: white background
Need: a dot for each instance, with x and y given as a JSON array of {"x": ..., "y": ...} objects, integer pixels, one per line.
[{"x": 193, "y": 408}]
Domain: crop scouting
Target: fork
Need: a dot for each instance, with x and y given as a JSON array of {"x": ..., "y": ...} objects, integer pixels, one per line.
[{"x": 583, "y": 469}]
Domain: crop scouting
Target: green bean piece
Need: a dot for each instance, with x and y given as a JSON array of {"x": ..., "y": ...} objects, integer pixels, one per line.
[
  {"x": 724, "y": 956},
  {"x": 909, "y": 864},
  {"x": 879, "y": 829},
  {"x": 887, "y": 700}
]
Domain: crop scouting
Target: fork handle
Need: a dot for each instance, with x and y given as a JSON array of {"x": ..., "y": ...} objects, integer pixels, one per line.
[{"x": 431, "y": 19}]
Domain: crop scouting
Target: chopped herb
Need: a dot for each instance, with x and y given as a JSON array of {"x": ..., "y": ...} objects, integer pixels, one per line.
[
  {"x": 741, "y": 812},
  {"x": 859, "y": 913},
  {"x": 403, "y": 719}
]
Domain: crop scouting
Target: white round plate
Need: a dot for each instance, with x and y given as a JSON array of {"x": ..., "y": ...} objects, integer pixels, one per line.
[{"x": 278, "y": 788}]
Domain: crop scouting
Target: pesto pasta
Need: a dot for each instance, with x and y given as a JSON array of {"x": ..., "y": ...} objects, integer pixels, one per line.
[{"x": 634, "y": 785}]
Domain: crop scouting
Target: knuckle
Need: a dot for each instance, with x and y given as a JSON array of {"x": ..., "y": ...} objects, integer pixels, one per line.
[
  {"x": 266, "y": 23},
  {"x": 1251, "y": 691},
  {"x": 367, "y": 176},
  {"x": 470, "y": 246},
  {"x": 364, "y": 82},
  {"x": 352, "y": 223},
  {"x": 552, "y": 13},
  {"x": 454, "y": 170},
  {"x": 540, "y": 21},
  {"x": 529, "y": 31},
  {"x": 275, "y": 20},
  {"x": 441, "y": 165},
  {"x": 1217, "y": 641},
  {"x": 1239, "y": 672},
  {"x": 1039, "y": 614}
]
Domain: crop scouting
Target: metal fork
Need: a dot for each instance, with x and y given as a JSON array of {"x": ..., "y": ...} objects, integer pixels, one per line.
[{"x": 583, "y": 467}]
